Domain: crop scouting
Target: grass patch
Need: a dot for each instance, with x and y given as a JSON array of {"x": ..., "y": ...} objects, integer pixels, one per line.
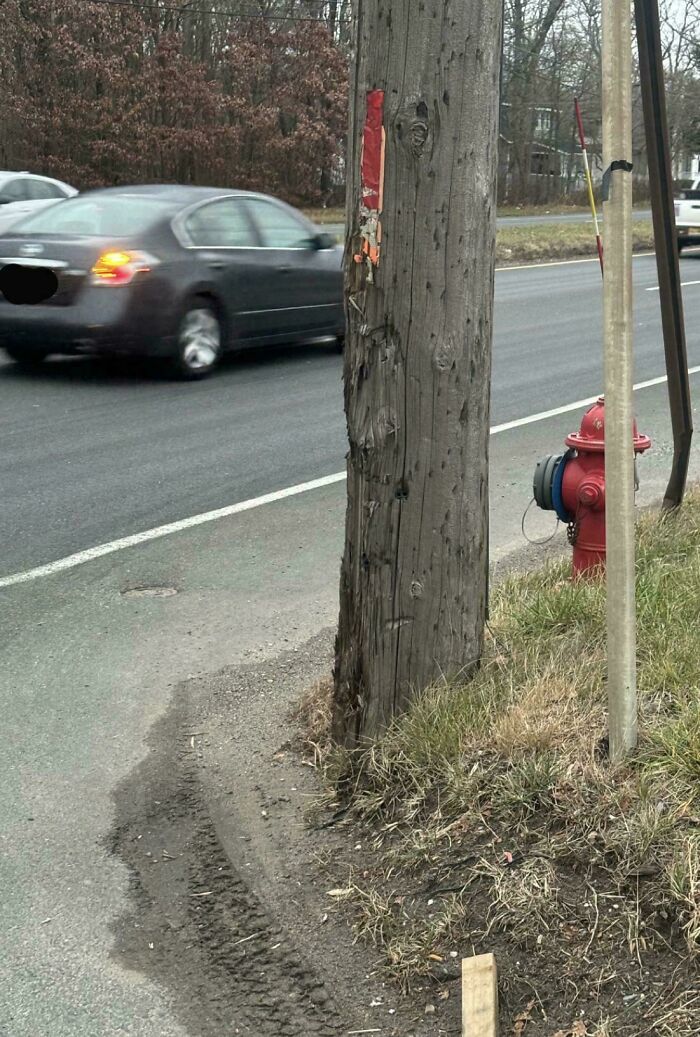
[
  {"x": 539, "y": 242},
  {"x": 555, "y": 209},
  {"x": 493, "y": 809},
  {"x": 336, "y": 214},
  {"x": 321, "y": 216},
  {"x": 534, "y": 243},
  {"x": 559, "y": 208}
]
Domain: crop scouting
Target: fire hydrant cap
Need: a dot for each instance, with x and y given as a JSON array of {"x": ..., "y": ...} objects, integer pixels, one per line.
[{"x": 591, "y": 435}]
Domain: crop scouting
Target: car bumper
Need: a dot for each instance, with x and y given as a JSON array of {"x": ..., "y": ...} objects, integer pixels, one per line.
[{"x": 125, "y": 320}]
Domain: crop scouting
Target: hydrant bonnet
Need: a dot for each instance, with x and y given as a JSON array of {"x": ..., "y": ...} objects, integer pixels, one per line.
[{"x": 591, "y": 435}]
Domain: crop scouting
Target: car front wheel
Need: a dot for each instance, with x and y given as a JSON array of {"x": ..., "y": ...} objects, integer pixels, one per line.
[
  {"x": 199, "y": 342},
  {"x": 27, "y": 357}
]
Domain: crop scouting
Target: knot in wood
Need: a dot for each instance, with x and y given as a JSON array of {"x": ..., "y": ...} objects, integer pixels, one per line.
[
  {"x": 386, "y": 425},
  {"x": 416, "y": 589},
  {"x": 413, "y": 127},
  {"x": 418, "y": 136},
  {"x": 444, "y": 354}
]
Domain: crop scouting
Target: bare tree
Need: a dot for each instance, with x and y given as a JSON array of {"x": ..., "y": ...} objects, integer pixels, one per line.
[
  {"x": 529, "y": 23},
  {"x": 681, "y": 38},
  {"x": 417, "y": 364}
]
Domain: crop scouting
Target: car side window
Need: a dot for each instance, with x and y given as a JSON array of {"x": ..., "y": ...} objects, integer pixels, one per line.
[
  {"x": 278, "y": 227},
  {"x": 15, "y": 190},
  {"x": 220, "y": 225},
  {"x": 43, "y": 190}
]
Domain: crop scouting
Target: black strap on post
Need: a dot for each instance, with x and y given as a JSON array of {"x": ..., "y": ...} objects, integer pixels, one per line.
[
  {"x": 626, "y": 167},
  {"x": 661, "y": 182}
]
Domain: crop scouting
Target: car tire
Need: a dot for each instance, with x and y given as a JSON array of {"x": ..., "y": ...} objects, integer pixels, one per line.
[
  {"x": 29, "y": 358},
  {"x": 680, "y": 244},
  {"x": 199, "y": 341}
]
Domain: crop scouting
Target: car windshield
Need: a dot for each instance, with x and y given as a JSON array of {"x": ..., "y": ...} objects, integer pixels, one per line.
[{"x": 109, "y": 216}]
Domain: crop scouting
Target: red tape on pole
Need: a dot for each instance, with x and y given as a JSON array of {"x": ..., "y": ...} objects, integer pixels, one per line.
[
  {"x": 372, "y": 183},
  {"x": 372, "y": 151}
]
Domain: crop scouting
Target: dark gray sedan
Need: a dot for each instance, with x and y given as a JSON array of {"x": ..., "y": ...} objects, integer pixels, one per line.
[{"x": 183, "y": 273}]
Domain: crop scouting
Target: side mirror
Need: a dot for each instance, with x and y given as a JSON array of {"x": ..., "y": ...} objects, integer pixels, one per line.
[{"x": 322, "y": 241}]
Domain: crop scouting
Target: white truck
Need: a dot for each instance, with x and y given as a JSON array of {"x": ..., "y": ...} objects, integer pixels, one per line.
[{"x": 687, "y": 208}]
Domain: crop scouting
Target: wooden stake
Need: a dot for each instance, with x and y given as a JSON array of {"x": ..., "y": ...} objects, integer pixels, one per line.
[{"x": 479, "y": 996}]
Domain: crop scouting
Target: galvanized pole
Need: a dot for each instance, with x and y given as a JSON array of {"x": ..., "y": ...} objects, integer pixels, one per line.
[{"x": 619, "y": 417}]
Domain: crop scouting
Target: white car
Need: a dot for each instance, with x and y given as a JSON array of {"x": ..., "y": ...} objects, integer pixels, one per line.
[
  {"x": 687, "y": 209},
  {"x": 23, "y": 193}
]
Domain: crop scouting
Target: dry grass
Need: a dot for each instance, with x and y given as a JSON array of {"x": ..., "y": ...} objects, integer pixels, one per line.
[
  {"x": 534, "y": 242},
  {"x": 336, "y": 214},
  {"x": 550, "y": 241},
  {"x": 499, "y": 794},
  {"x": 554, "y": 209},
  {"x": 321, "y": 216},
  {"x": 313, "y": 717}
]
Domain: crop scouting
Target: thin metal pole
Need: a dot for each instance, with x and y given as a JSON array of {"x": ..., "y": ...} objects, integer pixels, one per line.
[
  {"x": 619, "y": 417},
  {"x": 651, "y": 71}
]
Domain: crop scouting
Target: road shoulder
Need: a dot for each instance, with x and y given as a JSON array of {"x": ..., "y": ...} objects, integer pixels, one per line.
[{"x": 230, "y": 878}]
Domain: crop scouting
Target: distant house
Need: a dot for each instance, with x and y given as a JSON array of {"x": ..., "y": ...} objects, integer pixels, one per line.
[
  {"x": 556, "y": 165},
  {"x": 686, "y": 166}
]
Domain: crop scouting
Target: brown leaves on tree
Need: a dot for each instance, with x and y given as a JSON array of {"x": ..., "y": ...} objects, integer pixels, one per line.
[{"x": 104, "y": 95}]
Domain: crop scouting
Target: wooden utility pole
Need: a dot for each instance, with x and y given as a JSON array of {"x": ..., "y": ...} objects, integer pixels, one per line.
[
  {"x": 619, "y": 412},
  {"x": 419, "y": 285}
]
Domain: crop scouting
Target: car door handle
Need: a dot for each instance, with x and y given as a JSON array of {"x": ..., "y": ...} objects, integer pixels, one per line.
[
  {"x": 216, "y": 264},
  {"x": 283, "y": 269}
]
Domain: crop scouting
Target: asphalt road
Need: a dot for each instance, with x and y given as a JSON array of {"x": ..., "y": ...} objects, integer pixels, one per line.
[{"x": 92, "y": 453}]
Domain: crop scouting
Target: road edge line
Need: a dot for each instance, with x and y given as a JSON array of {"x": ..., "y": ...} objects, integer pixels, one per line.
[{"x": 158, "y": 532}]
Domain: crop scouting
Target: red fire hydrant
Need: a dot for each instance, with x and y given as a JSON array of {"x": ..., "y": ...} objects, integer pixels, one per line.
[{"x": 573, "y": 485}]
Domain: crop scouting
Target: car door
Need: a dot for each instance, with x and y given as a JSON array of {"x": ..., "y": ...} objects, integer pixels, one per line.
[
  {"x": 227, "y": 249},
  {"x": 305, "y": 281}
]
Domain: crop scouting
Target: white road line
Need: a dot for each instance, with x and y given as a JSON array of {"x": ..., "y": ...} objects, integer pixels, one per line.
[
  {"x": 89, "y": 555},
  {"x": 684, "y": 284},
  {"x": 71, "y": 561},
  {"x": 556, "y": 411},
  {"x": 562, "y": 262},
  {"x": 572, "y": 262}
]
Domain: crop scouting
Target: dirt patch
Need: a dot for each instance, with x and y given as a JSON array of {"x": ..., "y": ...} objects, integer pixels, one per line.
[{"x": 231, "y": 913}]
